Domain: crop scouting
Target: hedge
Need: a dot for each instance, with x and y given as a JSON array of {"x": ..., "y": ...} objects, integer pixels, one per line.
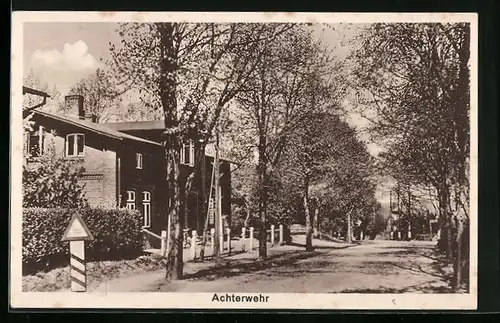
[{"x": 117, "y": 236}]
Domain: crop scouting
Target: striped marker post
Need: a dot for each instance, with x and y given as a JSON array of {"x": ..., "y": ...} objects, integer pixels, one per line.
[
  {"x": 77, "y": 233},
  {"x": 78, "y": 268}
]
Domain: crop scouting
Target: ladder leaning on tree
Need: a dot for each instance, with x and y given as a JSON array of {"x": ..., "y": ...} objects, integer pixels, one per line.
[{"x": 210, "y": 213}]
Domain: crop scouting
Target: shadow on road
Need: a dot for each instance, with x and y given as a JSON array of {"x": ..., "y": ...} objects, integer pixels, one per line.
[
  {"x": 244, "y": 266},
  {"x": 295, "y": 244},
  {"x": 428, "y": 288}
]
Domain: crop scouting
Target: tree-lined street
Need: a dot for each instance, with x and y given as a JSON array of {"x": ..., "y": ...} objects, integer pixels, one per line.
[
  {"x": 313, "y": 139},
  {"x": 371, "y": 267}
]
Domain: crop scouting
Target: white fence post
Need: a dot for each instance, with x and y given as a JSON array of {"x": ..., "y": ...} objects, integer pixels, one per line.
[
  {"x": 243, "y": 238},
  {"x": 193, "y": 244},
  {"x": 281, "y": 234},
  {"x": 399, "y": 235},
  {"x": 169, "y": 231},
  {"x": 272, "y": 234},
  {"x": 212, "y": 239},
  {"x": 221, "y": 241},
  {"x": 163, "y": 247},
  {"x": 251, "y": 239},
  {"x": 228, "y": 232}
]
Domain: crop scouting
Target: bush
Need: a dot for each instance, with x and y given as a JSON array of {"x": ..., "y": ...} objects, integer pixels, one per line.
[
  {"x": 53, "y": 183},
  {"x": 117, "y": 235}
]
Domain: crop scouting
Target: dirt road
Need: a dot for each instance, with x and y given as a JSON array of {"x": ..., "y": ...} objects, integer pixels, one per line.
[{"x": 371, "y": 267}]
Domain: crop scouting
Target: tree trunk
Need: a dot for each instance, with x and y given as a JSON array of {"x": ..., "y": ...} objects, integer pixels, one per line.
[
  {"x": 203, "y": 189},
  {"x": 309, "y": 229},
  {"x": 446, "y": 241},
  {"x": 218, "y": 211},
  {"x": 457, "y": 263},
  {"x": 449, "y": 236},
  {"x": 205, "y": 200},
  {"x": 349, "y": 228},
  {"x": 263, "y": 182},
  {"x": 174, "y": 267},
  {"x": 448, "y": 223},
  {"x": 316, "y": 220},
  {"x": 168, "y": 91},
  {"x": 247, "y": 217}
]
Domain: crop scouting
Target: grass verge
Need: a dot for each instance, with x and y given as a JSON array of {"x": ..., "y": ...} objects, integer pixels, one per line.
[{"x": 59, "y": 280}]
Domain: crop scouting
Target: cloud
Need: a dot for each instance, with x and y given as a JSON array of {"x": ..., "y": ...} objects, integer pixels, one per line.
[{"x": 64, "y": 68}]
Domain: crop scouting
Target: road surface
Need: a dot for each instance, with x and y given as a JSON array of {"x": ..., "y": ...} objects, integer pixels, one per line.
[{"x": 371, "y": 267}]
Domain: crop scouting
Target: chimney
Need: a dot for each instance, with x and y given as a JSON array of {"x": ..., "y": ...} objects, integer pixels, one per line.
[{"x": 74, "y": 106}]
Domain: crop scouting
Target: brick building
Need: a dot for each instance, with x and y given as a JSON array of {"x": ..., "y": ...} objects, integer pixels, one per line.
[{"x": 124, "y": 164}]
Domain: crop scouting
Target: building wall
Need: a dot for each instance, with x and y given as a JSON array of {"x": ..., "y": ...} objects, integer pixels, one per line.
[
  {"x": 99, "y": 160},
  {"x": 194, "y": 218},
  {"x": 149, "y": 178}
]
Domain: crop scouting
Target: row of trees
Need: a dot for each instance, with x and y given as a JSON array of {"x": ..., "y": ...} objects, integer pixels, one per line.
[
  {"x": 275, "y": 92},
  {"x": 412, "y": 82},
  {"x": 271, "y": 89},
  {"x": 52, "y": 182}
]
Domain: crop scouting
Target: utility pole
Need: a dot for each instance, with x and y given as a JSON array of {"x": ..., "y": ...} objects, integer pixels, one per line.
[
  {"x": 217, "y": 215},
  {"x": 399, "y": 211},
  {"x": 390, "y": 201},
  {"x": 349, "y": 229},
  {"x": 399, "y": 202},
  {"x": 409, "y": 211}
]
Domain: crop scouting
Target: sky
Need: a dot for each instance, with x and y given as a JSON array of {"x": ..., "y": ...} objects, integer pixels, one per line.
[{"x": 62, "y": 54}]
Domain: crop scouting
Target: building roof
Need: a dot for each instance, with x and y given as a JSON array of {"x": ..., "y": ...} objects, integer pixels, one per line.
[
  {"x": 111, "y": 130},
  {"x": 157, "y": 125},
  {"x": 35, "y": 92},
  {"x": 137, "y": 125},
  {"x": 99, "y": 128}
]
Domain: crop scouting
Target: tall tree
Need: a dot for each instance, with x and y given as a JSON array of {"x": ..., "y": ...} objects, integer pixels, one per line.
[
  {"x": 325, "y": 162},
  {"x": 99, "y": 93},
  {"x": 291, "y": 70},
  {"x": 54, "y": 102},
  {"x": 309, "y": 158},
  {"x": 192, "y": 71},
  {"x": 414, "y": 80},
  {"x": 32, "y": 80}
]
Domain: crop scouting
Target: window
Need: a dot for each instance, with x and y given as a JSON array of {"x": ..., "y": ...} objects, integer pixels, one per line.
[
  {"x": 75, "y": 144},
  {"x": 187, "y": 153},
  {"x": 146, "y": 204},
  {"x": 35, "y": 141},
  {"x": 130, "y": 200},
  {"x": 138, "y": 161}
]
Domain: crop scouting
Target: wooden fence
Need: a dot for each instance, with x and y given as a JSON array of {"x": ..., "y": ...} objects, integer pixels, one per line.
[{"x": 192, "y": 241}]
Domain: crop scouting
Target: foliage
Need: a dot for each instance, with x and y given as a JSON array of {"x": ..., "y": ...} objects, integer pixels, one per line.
[
  {"x": 54, "y": 102},
  {"x": 375, "y": 222},
  {"x": 326, "y": 163},
  {"x": 292, "y": 79},
  {"x": 52, "y": 182},
  {"x": 116, "y": 234},
  {"x": 191, "y": 71},
  {"x": 99, "y": 93},
  {"x": 413, "y": 85}
]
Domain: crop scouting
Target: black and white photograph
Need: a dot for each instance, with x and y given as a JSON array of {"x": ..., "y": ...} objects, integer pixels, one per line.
[{"x": 244, "y": 160}]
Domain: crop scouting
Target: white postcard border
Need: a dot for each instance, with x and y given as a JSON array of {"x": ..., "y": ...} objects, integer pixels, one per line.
[{"x": 20, "y": 299}]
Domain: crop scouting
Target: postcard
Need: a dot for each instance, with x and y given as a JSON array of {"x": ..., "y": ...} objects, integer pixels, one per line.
[{"x": 232, "y": 160}]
